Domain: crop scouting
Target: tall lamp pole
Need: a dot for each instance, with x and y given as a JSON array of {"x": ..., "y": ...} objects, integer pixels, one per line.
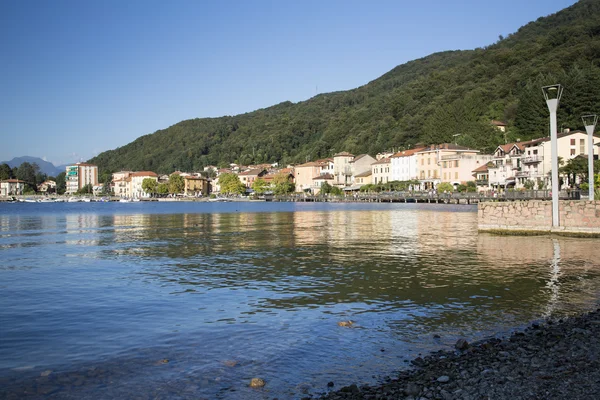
[
  {"x": 590, "y": 122},
  {"x": 552, "y": 95}
]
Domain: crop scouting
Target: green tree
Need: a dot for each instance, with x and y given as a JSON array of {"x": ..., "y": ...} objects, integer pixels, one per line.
[
  {"x": 87, "y": 189},
  {"x": 325, "y": 188},
  {"x": 230, "y": 184},
  {"x": 5, "y": 172},
  {"x": 283, "y": 184},
  {"x": 445, "y": 187},
  {"x": 61, "y": 183},
  {"x": 150, "y": 185},
  {"x": 176, "y": 184},
  {"x": 576, "y": 167},
  {"x": 162, "y": 188},
  {"x": 27, "y": 172},
  {"x": 260, "y": 186}
]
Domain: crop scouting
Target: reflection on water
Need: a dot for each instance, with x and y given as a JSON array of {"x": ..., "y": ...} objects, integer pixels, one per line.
[{"x": 100, "y": 297}]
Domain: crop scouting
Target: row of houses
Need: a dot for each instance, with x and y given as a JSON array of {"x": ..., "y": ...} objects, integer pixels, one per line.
[{"x": 512, "y": 165}]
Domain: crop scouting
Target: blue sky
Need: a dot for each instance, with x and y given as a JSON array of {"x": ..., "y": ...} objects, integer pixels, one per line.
[{"x": 81, "y": 77}]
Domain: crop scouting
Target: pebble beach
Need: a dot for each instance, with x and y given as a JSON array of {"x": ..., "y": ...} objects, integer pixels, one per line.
[{"x": 554, "y": 359}]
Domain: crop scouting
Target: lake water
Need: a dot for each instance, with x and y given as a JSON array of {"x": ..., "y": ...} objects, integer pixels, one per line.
[{"x": 192, "y": 300}]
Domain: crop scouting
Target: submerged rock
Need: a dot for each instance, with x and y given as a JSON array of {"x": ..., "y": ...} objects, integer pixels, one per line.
[{"x": 257, "y": 383}]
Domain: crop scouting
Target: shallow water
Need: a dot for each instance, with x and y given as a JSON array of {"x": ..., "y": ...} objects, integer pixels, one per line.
[{"x": 192, "y": 300}]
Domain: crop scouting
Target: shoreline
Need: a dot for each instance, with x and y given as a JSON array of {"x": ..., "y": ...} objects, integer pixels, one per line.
[{"x": 552, "y": 359}]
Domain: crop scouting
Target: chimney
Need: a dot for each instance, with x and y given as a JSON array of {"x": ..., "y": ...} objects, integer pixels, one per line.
[{"x": 566, "y": 130}]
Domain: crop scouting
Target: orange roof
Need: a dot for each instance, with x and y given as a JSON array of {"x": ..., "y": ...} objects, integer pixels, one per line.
[
  {"x": 407, "y": 153},
  {"x": 12, "y": 181},
  {"x": 144, "y": 173},
  {"x": 386, "y": 160},
  {"x": 343, "y": 154},
  {"x": 327, "y": 177},
  {"x": 482, "y": 168},
  {"x": 252, "y": 172}
]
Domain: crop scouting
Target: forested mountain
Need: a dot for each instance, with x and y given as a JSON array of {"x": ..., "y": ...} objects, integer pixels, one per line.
[{"x": 429, "y": 100}]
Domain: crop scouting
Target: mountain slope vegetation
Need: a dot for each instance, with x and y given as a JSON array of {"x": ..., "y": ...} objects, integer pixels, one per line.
[{"x": 447, "y": 96}]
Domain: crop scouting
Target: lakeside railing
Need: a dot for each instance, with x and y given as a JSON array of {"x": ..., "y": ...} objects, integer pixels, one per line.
[{"x": 431, "y": 197}]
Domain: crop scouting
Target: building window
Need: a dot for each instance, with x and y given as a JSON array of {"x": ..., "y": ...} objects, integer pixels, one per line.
[
  {"x": 572, "y": 142},
  {"x": 572, "y": 152},
  {"x": 445, "y": 176},
  {"x": 456, "y": 163},
  {"x": 429, "y": 161},
  {"x": 581, "y": 146},
  {"x": 456, "y": 175}
]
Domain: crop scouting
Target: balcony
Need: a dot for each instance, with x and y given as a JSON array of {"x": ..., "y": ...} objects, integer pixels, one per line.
[
  {"x": 481, "y": 182},
  {"x": 532, "y": 159},
  {"x": 522, "y": 174}
]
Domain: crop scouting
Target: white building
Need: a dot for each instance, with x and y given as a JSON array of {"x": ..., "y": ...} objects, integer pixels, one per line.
[
  {"x": 404, "y": 165},
  {"x": 536, "y": 163},
  {"x": 80, "y": 175}
]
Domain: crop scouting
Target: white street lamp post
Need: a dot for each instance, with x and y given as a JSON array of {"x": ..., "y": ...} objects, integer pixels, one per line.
[
  {"x": 590, "y": 122},
  {"x": 552, "y": 95}
]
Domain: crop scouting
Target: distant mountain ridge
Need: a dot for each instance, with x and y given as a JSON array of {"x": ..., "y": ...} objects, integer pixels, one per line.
[
  {"x": 45, "y": 166},
  {"x": 450, "y": 96}
]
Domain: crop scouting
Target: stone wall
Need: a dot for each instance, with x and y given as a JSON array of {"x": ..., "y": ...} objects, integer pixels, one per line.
[{"x": 536, "y": 215}]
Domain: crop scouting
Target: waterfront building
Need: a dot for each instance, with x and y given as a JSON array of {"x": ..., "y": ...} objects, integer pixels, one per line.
[
  {"x": 79, "y": 175},
  {"x": 304, "y": 175},
  {"x": 360, "y": 164},
  {"x": 506, "y": 165},
  {"x": 136, "y": 180},
  {"x": 319, "y": 180},
  {"x": 363, "y": 179},
  {"x": 448, "y": 162},
  {"x": 404, "y": 165},
  {"x": 342, "y": 169},
  {"x": 12, "y": 187},
  {"x": 381, "y": 171},
  {"x": 196, "y": 186},
  {"x": 536, "y": 163},
  {"x": 482, "y": 175},
  {"x": 248, "y": 177},
  {"x": 47, "y": 187}
]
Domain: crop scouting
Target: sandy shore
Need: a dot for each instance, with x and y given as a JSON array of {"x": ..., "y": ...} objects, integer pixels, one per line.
[{"x": 556, "y": 359}]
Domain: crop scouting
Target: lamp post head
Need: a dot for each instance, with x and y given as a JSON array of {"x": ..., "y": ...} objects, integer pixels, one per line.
[
  {"x": 590, "y": 121},
  {"x": 552, "y": 95}
]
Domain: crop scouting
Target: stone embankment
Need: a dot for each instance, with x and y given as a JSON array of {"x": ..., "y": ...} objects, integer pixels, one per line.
[
  {"x": 575, "y": 217},
  {"x": 550, "y": 360}
]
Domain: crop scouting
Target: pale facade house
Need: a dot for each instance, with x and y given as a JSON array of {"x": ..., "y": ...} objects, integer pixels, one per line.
[
  {"x": 381, "y": 171},
  {"x": 342, "y": 169},
  {"x": 304, "y": 174},
  {"x": 361, "y": 163},
  {"x": 404, "y": 165},
  {"x": 12, "y": 187},
  {"x": 196, "y": 186},
  {"x": 447, "y": 162},
  {"x": 47, "y": 187},
  {"x": 504, "y": 172},
  {"x": 248, "y": 177},
  {"x": 500, "y": 125},
  {"x": 80, "y": 175},
  {"x": 536, "y": 163},
  {"x": 458, "y": 168},
  {"x": 363, "y": 179},
  {"x": 136, "y": 180},
  {"x": 481, "y": 175},
  {"x": 319, "y": 180}
]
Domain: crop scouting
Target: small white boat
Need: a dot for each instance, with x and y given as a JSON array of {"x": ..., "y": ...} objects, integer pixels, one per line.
[
  {"x": 124, "y": 200},
  {"x": 74, "y": 199}
]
